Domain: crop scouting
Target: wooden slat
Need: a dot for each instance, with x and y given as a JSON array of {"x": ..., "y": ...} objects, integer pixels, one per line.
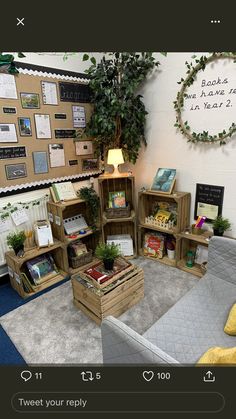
[
  {"x": 86, "y": 311},
  {"x": 121, "y": 296},
  {"x": 125, "y": 304},
  {"x": 129, "y": 282}
]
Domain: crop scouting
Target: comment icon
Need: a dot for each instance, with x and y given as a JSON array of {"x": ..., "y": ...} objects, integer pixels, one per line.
[{"x": 26, "y": 375}]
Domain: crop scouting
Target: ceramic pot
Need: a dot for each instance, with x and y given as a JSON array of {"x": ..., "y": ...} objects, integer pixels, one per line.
[
  {"x": 217, "y": 232},
  {"x": 171, "y": 254},
  {"x": 19, "y": 250}
]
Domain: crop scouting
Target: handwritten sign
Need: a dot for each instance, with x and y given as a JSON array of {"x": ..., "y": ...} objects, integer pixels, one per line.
[
  {"x": 210, "y": 102},
  {"x": 211, "y": 195},
  {"x": 12, "y": 152}
]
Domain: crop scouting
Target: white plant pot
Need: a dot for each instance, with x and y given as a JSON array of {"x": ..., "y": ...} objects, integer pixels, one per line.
[{"x": 171, "y": 254}]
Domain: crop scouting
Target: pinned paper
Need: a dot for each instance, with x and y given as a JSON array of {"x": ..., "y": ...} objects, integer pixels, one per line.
[
  {"x": 5, "y": 225},
  {"x": 19, "y": 217}
]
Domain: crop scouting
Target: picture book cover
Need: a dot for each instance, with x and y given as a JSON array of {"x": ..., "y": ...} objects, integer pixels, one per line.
[{"x": 117, "y": 199}]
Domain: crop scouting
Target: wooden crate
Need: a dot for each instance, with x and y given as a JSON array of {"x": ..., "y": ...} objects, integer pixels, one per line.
[
  {"x": 112, "y": 300},
  {"x": 167, "y": 261},
  {"x": 120, "y": 225},
  {"x": 189, "y": 242},
  {"x": 16, "y": 267},
  {"x": 147, "y": 199}
]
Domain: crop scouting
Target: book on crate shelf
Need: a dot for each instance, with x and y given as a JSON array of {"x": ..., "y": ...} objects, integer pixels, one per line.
[
  {"x": 117, "y": 199},
  {"x": 62, "y": 192},
  {"x": 41, "y": 269},
  {"x": 101, "y": 275}
]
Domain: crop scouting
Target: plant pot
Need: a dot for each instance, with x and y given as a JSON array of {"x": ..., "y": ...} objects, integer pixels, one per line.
[
  {"x": 19, "y": 250},
  {"x": 171, "y": 254},
  {"x": 218, "y": 232},
  {"x": 108, "y": 264}
]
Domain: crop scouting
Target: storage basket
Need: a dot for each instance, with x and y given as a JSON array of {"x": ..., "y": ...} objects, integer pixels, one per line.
[
  {"x": 77, "y": 261},
  {"x": 118, "y": 212}
]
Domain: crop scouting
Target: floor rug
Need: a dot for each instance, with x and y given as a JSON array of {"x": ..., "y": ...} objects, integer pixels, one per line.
[{"x": 50, "y": 330}]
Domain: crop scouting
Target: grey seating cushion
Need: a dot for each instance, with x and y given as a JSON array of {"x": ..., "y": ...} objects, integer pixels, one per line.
[
  {"x": 222, "y": 258},
  {"x": 196, "y": 322},
  {"x": 123, "y": 345}
]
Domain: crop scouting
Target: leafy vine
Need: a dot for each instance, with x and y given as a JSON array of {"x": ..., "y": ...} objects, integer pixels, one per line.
[
  {"x": 183, "y": 126},
  {"x": 9, "y": 209}
]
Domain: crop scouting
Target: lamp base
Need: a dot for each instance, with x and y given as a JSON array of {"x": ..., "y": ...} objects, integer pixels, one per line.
[{"x": 116, "y": 171}]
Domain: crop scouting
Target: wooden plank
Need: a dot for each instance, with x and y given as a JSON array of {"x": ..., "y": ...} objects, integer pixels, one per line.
[
  {"x": 121, "y": 287},
  {"x": 124, "y": 305},
  {"x": 86, "y": 311},
  {"x": 200, "y": 238},
  {"x": 81, "y": 292},
  {"x": 121, "y": 296},
  {"x": 195, "y": 270}
]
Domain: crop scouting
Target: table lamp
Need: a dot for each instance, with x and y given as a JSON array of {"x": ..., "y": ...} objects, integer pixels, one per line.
[{"x": 115, "y": 157}]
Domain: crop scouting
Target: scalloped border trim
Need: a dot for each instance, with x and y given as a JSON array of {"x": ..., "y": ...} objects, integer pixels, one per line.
[
  {"x": 51, "y": 75},
  {"x": 47, "y": 181}
]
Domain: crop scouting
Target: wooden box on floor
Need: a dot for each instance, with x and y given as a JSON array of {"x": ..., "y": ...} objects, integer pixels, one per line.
[
  {"x": 16, "y": 267},
  {"x": 146, "y": 202},
  {"x": 57, "y": 212},
  {"x": 119, "y": 224},
  {"x": 113, "y": 300}
]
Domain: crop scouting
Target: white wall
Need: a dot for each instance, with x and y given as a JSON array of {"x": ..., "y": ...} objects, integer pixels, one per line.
[{"x": 209, "y": 164}]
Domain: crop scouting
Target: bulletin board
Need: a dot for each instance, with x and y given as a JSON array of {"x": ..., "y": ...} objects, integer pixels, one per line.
[{"x": 71, "y": 90}]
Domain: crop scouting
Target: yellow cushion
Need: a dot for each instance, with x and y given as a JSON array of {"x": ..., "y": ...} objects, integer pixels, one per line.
[
  {"x": 217, "y": 355},
  {"x": 230, "y": 327}
]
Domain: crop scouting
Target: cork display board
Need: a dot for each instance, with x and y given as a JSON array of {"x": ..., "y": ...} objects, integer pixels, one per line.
[{"x": 30, "y": 128}]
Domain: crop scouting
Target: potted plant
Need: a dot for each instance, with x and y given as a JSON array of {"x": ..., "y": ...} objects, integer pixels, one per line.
[
  {"x": 16, "y": 241},
  {"x": 92, "y": 199},
  {"x": 107, "y": 253},
  {"x": 119, "y": 115},
  {"x": 220, "y": 225}
]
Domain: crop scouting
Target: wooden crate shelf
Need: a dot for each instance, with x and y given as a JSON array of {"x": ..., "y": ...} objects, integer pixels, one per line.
[
  {"x": 16, "y": 267},
  {"x": 146, "y": 203},
  {"x": 116, "y": 226},
  {"x": 66, "y": 209}
]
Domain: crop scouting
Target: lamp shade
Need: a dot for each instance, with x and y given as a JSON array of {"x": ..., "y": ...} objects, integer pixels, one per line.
[{"x": 115, "y": 157}]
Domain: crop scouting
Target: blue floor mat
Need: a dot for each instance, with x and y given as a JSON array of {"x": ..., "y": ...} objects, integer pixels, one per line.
[{"x": 10, "y": 300}]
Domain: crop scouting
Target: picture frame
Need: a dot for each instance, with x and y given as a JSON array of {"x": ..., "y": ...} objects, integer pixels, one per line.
[
  {"x": 42, "y": 126},
  {"x": 29, "y": 100},
  {"x": 90, "y": 164},
  {"x": 164, "y": 181},
  {"x": 40, "y": 161},
  {"x": 83, "y": 148},
  {"x": 8, "y": 133},
  {"x": 57, "y": 155},
  {"x": 208, "y": 201},
  {"x": 25, "y": 127},
  {"x": 15, "y": 171},
  {"x": 49, "y": 92}
]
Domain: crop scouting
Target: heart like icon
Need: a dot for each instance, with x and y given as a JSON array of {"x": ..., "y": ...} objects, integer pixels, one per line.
[{"x": 148, "y": 375}]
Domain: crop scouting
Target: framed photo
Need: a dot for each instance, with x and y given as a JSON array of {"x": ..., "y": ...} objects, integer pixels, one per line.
[
  {"x": 42, "y": 126},
  {"x": 25, "y": 127},
  {"x": 117, "y": 199},
  {"x": 40, "y": 162},
  {"x": 29, "y": 100},
  {"x": 164, "y": 181},
  {"x": 89, "y": 164},
  {"x": 49, "y": 93},
  {"x": 83, "y": 148},
  {"x": 8, "y": 133},
  {"x": 15, "y": 171}
]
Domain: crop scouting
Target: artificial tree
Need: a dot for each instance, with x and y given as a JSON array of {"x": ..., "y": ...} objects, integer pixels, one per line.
[{"x": 119, "y": 115}]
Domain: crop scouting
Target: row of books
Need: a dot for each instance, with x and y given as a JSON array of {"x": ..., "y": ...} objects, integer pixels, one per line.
[{"x": 38, "y": 271}]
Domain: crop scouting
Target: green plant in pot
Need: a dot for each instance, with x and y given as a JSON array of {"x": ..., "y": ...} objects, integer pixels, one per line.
[
  {"x": 107, "y": 253},
  {"x": 16, "y": 241},
  {"x": 220, "y": 225},
  {"x": 92, "y": 199}
]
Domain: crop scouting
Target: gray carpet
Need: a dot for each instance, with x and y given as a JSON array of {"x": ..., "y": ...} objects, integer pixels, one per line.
[{"x": 50, "y": 330}]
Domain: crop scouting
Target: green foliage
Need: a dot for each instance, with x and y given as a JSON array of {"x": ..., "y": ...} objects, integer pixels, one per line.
[
  {"x": 16, "y": 240},
  {"x": 107, "y": 251},
  {"x": 192, "y": 70},
  {"x": 92, "y": 199},
  {"x": 119, "y": 114},
  {"x": 221, "y": 224},
  {"x": 7, "y": 63}
]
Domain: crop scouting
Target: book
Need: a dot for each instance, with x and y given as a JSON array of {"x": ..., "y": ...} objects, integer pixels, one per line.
[
  {"x": 101, "y": 275},
  {"x": 64, "y": 191},
  {"x": 163, "y": 215},
  {"x": 117, "y": 199},
  {"x": 53, "y": 195},
  {"x": 41, "y": 267}
]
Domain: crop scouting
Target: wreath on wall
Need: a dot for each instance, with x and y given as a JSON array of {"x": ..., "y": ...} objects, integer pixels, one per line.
[{"x": 192, "y": 71}]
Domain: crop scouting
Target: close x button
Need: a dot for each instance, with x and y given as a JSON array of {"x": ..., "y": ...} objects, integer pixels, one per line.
[{"x": 20, "y": 21}]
